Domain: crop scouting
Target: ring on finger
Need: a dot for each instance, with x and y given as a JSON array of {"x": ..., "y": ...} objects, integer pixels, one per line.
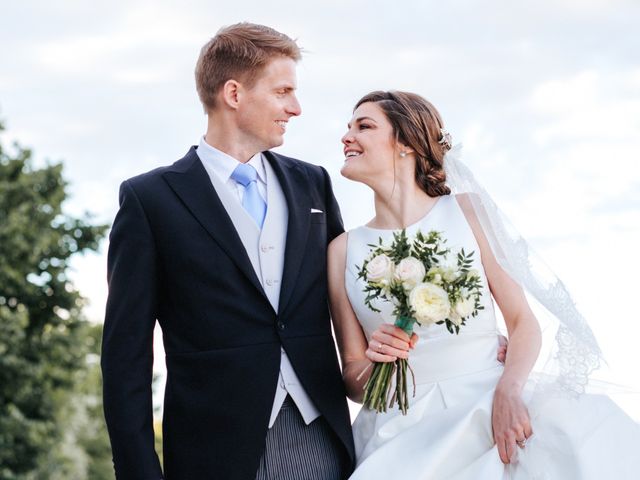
[
  {"x": 380, "y": 345},
  {"x": 521, "y": 443}
]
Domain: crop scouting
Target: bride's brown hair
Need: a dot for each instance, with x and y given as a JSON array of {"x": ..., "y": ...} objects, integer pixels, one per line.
[{"x": 416, "y": 123}]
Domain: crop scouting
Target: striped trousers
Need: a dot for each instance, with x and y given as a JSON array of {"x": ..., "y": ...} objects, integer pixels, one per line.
[{"x": 296, "y": 451}]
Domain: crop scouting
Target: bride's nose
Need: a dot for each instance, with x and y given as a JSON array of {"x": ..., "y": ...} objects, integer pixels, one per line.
[{"x": 347, "y": 138}]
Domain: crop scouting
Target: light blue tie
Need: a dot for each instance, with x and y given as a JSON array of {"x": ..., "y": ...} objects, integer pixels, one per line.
[{"x": 252, "y": 201}]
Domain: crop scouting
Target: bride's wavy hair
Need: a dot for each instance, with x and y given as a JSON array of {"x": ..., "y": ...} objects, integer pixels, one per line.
[{"x": 417, "y": 124}]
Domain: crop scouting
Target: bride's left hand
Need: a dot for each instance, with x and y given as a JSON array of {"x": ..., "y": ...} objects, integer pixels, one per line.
[{"x": 510, "y": 420}]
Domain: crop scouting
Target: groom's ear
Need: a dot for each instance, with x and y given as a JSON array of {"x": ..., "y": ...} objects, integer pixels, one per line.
[{"x": 229, "y": 93}]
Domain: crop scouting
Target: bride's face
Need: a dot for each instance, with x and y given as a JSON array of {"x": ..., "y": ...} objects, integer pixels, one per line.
[{"x": 369, "y": 146}]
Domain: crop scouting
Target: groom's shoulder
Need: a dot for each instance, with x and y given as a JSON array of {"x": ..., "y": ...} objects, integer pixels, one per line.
[
  {"x": 316, "y": 171},
  {"x": 154, "y": 176}
]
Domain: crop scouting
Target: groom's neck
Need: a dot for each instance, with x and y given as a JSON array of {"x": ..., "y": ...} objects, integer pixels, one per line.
[{"x": 224, "y": 135}]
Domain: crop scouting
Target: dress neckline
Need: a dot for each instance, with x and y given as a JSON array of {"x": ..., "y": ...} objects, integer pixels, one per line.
[{"x": 418, "y": 222}]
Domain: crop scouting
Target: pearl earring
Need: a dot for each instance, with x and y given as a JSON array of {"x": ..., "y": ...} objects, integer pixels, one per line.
[{"x": 403, "y": 154}]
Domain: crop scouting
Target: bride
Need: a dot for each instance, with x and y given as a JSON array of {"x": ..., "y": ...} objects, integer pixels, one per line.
[{"x": 472, "y": 417}]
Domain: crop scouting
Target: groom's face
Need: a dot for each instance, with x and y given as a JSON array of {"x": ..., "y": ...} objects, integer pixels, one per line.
[{"x": 265, "y": 109}]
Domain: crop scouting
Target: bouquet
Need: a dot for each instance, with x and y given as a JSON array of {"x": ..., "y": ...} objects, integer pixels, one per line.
[{"x": 426, "y": 287}]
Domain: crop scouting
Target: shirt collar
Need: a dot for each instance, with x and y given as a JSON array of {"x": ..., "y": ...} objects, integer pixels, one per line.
[{"x": 223, "y": 164}]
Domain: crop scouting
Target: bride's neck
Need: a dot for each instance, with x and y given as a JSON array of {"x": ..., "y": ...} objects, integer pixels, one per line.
[{"x": 400, "y": 206}]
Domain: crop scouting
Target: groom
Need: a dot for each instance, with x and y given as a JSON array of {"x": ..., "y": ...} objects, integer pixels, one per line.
[{"x": 226, "y": 249}]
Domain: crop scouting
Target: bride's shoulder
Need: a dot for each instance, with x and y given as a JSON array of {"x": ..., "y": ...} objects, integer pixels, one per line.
[
  {"x": 471, "y": 206},
  {"x": 466, "y": 200},
  {"x": 338, "y": 246},
  {"x": 337, "y": 257},
  {"x": 473, "y": 209}
]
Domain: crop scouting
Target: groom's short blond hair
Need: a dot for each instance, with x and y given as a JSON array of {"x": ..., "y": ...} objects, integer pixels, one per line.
[{"x": 239, "y": 52}]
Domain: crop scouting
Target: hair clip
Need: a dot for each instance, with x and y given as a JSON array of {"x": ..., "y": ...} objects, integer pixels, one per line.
[{"x": 446, "y": 139}]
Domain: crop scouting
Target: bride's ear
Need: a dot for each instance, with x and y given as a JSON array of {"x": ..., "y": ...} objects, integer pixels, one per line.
[{"x": 403, "y": 150}]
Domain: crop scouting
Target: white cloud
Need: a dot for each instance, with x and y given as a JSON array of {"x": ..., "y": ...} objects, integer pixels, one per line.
[
  {"x": 588, "y": 105},
  {"x": 557, "y": 96}
]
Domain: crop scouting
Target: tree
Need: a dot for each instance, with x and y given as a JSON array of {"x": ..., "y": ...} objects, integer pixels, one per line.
[{"x": 49, "y": 386}]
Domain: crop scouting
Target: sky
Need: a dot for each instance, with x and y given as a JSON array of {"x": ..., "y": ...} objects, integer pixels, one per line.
[{"x": 544, "y": 96}]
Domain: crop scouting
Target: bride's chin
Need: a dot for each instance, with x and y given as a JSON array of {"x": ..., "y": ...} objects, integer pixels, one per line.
[
  {"x": 344, "y": 171},
  {"x": 347, "y": 171}
]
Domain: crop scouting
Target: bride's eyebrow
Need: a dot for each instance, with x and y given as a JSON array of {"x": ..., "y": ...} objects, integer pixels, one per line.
[{"x": 359, "y": 119}]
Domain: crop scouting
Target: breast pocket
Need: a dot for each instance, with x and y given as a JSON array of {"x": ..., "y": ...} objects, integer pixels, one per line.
[{"x": 318, "y": 217}]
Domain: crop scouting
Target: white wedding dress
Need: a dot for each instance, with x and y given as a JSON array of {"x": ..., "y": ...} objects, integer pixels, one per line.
[{"x": 447, "y": 431}]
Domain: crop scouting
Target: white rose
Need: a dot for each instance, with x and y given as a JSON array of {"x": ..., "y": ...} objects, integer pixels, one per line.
[
  {"x": 464, "y": 308},
  {"x": 410, "y": 272},
  {"x": 379, "y": 269},
  {"x": 430, "y": 302}
]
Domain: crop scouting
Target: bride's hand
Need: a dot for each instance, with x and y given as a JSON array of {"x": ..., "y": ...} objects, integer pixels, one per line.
[
  {"x": 510, "y": 420},
  {"x": 388, "y": 343}
]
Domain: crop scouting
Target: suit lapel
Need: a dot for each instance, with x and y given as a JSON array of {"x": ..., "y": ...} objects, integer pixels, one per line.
[
  {"x": 191, "y": 183},
  {"x": 294, "y": 183}
]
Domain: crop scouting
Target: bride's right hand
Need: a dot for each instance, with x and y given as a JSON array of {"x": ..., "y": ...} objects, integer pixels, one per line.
[{"x": 388, "y": 343}]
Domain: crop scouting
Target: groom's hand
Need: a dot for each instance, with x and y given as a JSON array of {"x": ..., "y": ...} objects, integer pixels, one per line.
[{"x": 502, "y": 348}]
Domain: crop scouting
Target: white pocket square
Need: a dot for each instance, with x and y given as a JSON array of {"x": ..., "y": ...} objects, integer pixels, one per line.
[{"x": 315, "y": 210}]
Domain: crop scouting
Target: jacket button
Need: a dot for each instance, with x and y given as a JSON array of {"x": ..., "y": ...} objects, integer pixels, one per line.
[{"x": 281, "y": 326}]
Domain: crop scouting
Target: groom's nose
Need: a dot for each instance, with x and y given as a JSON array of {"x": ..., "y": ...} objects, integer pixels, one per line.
[{"x": 294, "y": 108}]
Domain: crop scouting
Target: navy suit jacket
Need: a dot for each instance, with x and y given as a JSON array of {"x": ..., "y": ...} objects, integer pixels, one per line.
[{"x": 175, "y": 257}]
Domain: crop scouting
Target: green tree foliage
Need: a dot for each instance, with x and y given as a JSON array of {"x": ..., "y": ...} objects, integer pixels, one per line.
[{"x": 51, "y": 422}]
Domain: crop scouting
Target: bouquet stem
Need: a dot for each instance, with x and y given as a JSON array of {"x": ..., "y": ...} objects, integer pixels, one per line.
[{"x": 379, "y": 385}]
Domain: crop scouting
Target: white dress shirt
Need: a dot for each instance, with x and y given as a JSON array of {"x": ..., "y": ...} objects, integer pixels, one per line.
[{"x": 223, "y": 166}]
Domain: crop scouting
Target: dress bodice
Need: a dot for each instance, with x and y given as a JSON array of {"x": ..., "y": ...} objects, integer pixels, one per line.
[
  {"x": 446, "y": 217},
  {"x": 436, "y": 344}
]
